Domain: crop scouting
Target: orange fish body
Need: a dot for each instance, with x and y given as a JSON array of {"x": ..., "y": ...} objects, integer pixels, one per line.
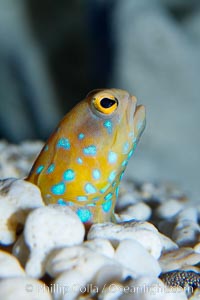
[{"x": 83, "y": 161}]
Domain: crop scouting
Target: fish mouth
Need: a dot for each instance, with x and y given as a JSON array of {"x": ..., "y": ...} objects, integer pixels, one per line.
[
  {"x": 136, "y": 116},
  {"x": 131, "y": 110}
]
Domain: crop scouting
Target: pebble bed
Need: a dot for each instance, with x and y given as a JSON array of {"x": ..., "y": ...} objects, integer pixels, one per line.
[{"x": 151, "y": 253}]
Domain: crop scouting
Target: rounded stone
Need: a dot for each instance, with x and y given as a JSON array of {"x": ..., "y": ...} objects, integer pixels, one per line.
[
  {"x": 17, "y": 199},
  {"x": 188, "y": 214},
  {"x": 186, "y": 233},
  {"x": 23, "y": 288},
  {"x": 167, "y": 243},
  {"x": 197, "y": 247},
  {"x": 100, "y": 246},
  {"x": 143, "y": 232},
  {"x": 178, "y": 258},
  {"x": 49, "y": 228},
  {"x": 108, "y": 274},
  {"x": 72, "y": 284},
  {"x": 132, "y": 255},
  {"x": 169, "y": 208},
  {"x": 79, "y": 258},
  {"x": 9, "y": 266},
  {"x": 139, "y": 211},
  {"x": 126, "y": 199}
]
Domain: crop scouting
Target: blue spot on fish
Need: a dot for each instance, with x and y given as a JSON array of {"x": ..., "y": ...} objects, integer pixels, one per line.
[
  {"x": 96, "y": 174},
  {"x": 108, "y": 125},
  {"x": 125, "y": 148},
  {"x": 39, "y": 169},
  {"x": 134, "y": 140},
  {"x": 105, "y": 188},
  {"x": 130, "y": 154},
  {"x": 69, "y": 175},
  {"x": 90, "y": 150},
  {"x": 63, "y": 143},
  {"x": 121, "y": 176},
  {"x": 107, "y": 206},
  {"x": 112, "y": 176},
  {"x": 124, "y": 163},
  {"x": 134, "y": 146},
  {"x": 46, "y": 148},
  {"x": 82, "y": 198},
  {"x": 117, "y": 191},
  {"x": 95, "y": 199},
  {"x": 112, "y": 157},
  {"x": 90, "y": 189},
  {"x": 81, "y": 136},
  {"x": 108, "y": 196},
  {"x": 58, "y": 189},
  {"x": 84, "y": 214},
  {"x": 79, "y": 160},
  {"x": 61, "y": 202},
  {"x": 51, "y": 168}
]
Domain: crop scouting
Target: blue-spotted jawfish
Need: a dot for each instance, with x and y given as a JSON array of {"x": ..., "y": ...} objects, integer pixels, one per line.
[{"x": 83, "y": 161}]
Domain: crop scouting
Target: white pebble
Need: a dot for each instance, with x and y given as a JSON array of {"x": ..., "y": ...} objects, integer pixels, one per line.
[
  {"x": 100, "y": 246},
  {"x": 8, "y": 223},
  {"x": 9, "y": 266},
  {"x": 186, "y": 233},
  {"x": 49, "y": 228},
  {"x": 191, "y": 268},
  {"x": 167, "y": 243},
  {"x": 17, "y": 198},
  {"x": 80, "y": 258},
  {"x": 125, "y": 200},
  {"x": 179, "y": 258},
  {"x": 23, "y": 288},
  {"x": 123, "y": 218},
  {"x": 150, "y": 191},
  {"x": 197, "y": 248},
  {"x": 145, "y": 233},
  {"x": 169, "y": 208},
  {"x": 139, "y": 211},
  {"x": 189, "y": 214},
  {"x": 107, "y": 274},
  {"x": 77, "y": 268},
  {"x": 69, "y": 285},
  {"x": 132, "y": 255}
]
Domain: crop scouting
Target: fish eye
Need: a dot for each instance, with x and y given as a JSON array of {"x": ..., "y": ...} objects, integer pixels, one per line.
[{"x": 105, "y": 104}]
